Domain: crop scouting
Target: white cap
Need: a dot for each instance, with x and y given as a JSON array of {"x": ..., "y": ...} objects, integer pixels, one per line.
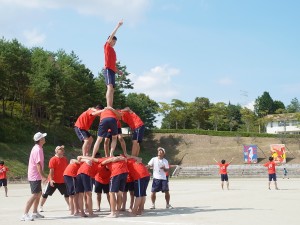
[
  {"x": 161, "y": 149},
  {"x": 38, "y": 136}
]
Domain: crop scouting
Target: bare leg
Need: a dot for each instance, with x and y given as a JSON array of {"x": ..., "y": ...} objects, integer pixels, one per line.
[
  {"x": 87, "y": 145},
  {"x": 124, "y": 200},
  {"x": 153, "y": 197},
  {"x": 110, "y": 95},
  {"x": 5, "y": 189},
  {"x": 123, "y": 143},
  {"x": 119, "y": 200},
  {"x": 167, "y": 197},
  {"x": 71, "y": 204},
  {"x": 113, "y": 202},
  {"x": 222, "y": 185},
  {"x": 30, "y": 202},
  {"x": 135, "y": 146},
  {"x": 106, "y": 146},
  {"x": 36, "y": 202},
  {"x": 113, "y": 145},
  {"x": 97, "y": 145},
  {"x": 227, "y": 183},
  {"x": 98, "y": 201},
  {"x": 67, "y": 201}
]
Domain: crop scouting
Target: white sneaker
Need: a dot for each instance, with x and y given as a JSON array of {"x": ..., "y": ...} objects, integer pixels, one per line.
[
  {"x": 168, "y": 206},
  {"x": 26, "y": 217},
  {"x": 152, "y": 207},
  {"x": 41, "y": 209},
  {"x": 37, "y": 216}
]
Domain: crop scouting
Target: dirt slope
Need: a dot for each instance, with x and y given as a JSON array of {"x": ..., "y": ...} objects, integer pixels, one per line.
[{"x": 192, "y": 149}]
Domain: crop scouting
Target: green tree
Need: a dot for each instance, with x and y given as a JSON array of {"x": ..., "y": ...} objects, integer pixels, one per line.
[
  {"x": 217, "y": 114},
  {"x": 199, "y": 112},
  {"x": 278, "y": 105},
  {"x": 248, "y": 118},
  {"x": 294, "y": 106},
  {"x": 263, "y": 104},
  {"x": 144, "y": 107}
]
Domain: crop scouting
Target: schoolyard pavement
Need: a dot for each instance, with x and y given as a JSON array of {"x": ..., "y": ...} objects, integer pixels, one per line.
[{"x": 195, "y": 201}]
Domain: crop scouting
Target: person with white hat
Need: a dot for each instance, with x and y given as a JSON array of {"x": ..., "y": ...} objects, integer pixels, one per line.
[
  {"x": 160, "y": 183},
  {"x": 35, "y": 177}
]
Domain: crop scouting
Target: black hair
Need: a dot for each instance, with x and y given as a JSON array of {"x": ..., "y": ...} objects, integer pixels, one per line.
[
  {"x": 114, "y": 38},
  {"x": 223, "y": 161},
  {"x": 98, "y": 155},
  {"x": 271, "y": 158},
  {"x": 99, "y": 106},
  {"x": 1, "y": 162}
]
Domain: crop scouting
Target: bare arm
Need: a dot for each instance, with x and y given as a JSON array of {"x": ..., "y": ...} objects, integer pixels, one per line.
[
  {"x": 215, "y": 160},
  {"x": 97, "y": 112},
  {"x": 40, "y": 171},
  {"x": 231, "y": 160},
  {"x": 114, "y": 31}
]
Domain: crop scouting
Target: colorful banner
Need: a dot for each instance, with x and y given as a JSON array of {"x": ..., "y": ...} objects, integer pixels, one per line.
[
  {"x": 250, "y": 153},
  {"x": 278, "y": 152}
]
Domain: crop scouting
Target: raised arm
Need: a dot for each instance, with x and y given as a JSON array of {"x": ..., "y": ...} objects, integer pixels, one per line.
[
  {"x": 114, "y": 31},
  {"x": 231, "y": 160},
  {"x": 215, "y": 160}
]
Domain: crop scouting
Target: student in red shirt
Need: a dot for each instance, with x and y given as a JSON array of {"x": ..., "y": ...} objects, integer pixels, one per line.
[
  {"x": 119, "y": 171},
  {"x": 102, "y": 179},
  {"x": 137, "y": 127},
  {"x": 83, "y": 124},
  {"x": 3, "y": 178},
  {"x": 223, "y": 171},
  {"x": 57, "y": 166},
  {"x": 141, "y": 176},
  {"x": 110, "y": 68},
  {"x": 271, "y": 165},
  {"x": 108, "y": 121},
  {"x": 84, "y": 184},
  {"x": 70, "y": 180}
]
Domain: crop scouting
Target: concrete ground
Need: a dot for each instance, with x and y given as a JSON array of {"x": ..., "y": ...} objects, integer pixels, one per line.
[{"x": 195, "y": 201}]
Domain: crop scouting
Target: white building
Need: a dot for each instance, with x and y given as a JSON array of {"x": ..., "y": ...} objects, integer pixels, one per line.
[{"x": 283, "y": 123}]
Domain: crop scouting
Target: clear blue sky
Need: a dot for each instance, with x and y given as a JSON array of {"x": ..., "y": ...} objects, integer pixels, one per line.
[{"x": 225, "y": 50}]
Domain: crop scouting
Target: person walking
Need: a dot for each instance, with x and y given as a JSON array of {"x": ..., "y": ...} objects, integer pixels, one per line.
[
  {"x": 160, "y": 183},
  {"x": 35, "y": 177}
]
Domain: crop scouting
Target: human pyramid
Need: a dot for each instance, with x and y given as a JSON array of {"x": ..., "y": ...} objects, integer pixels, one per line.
[{"x": 112, "y": 175}]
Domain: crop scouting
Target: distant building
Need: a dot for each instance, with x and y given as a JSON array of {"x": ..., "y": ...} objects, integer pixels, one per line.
[{"x": 283, "y": 123}]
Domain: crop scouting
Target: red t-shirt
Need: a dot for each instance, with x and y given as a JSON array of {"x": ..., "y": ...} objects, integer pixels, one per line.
[
  {"x": 271, "y": 167},
  {"x": 3, "y": 170},
  {"x": 72, "y": 169},
  {"x": 133, "y": 120},
  {"x": 223, "y": 168},
  {"x": 58, "y": 165},
  {"x": 85, "y": 120},
  {"x": 117, "y": 168},
  {"x": 103, "y": 173},
  {"x": 110, "y": 57},
  {"x": 137, "y": 170},
  {"x": 86, "y": 169},
  {"x": 108, "y": 114}
]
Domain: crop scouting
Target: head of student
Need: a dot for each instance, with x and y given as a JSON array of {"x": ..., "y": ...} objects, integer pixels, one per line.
[
  {"x": 271, "y": 158},
  {"x": 223, "y": 161},
  {"x": 113, "y": 41},
  {"x": 39, "y": 138},
  {"x": 161, "y": 152},
  {"x": 1, "y": 162}
]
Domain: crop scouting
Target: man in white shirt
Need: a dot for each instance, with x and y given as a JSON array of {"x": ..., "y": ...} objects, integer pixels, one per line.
[{"x": 160, "y": 183}]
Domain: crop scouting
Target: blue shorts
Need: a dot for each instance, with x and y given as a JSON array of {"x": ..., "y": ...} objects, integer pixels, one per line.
[
  {"x": 101, "y": 188},
  {"x": 138, "y": 134},
  {"x": 35, "y": 186},
  {"x": 224, "y": 177},
  {"x": 105, "y": 125},
  {"x": 117, "y": 183},
  {"x": 129, "y": 186},
  {"x": 272, "y": 177},
  {"x": 82, "y": 134},
  {"x": 83, "y": 183},
  {"x": 140, "y": 186},
  {"x": 110, "y": 77},
  {"x": 159, "y": 185},
  {"x": 70, "y": 184},
  {"x": 3, "y": 182}
]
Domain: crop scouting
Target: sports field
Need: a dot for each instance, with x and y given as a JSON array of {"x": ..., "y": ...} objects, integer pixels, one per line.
[{"x": 195, "y": 201}]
